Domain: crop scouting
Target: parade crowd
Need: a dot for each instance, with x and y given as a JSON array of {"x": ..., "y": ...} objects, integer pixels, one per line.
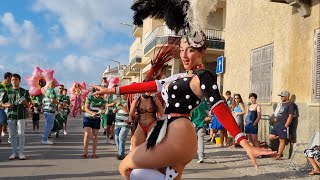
[{"x": 136, "y": 113}]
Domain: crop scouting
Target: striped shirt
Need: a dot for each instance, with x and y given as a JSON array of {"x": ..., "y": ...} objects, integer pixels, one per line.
[
  {"x": 95, "y": 103},
  {"x": 13, "y": 96},
  {"x": 121, "y": 115},
  {"x": 49, "y": 106}
]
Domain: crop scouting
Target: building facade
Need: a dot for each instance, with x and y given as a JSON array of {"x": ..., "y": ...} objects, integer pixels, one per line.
[
  {"x": 269, "y": 46},
  {"x": 154, "y": 34},
  {"x": 274, "y": 45}
]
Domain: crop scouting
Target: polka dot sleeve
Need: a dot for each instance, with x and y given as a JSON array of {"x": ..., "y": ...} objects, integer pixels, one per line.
[{"x": 208, "y": 85}]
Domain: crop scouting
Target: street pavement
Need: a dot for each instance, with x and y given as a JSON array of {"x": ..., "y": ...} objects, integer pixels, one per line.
[{"x": 63, "y": 160}]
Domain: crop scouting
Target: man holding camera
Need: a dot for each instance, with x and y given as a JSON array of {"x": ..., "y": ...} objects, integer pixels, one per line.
[{"x": 16, "y": 100}]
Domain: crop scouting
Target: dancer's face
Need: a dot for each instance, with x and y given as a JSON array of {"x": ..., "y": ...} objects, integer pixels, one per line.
[{"x": 190, "y": 56}]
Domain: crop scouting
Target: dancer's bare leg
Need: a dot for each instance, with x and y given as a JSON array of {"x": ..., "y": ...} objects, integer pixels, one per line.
[
  {"x": 176, "y": 150},
  {"x": 138, "y": 137}
]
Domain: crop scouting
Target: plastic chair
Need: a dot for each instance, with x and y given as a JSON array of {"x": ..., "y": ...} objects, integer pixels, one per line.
[{"x": 300, "y": 147}]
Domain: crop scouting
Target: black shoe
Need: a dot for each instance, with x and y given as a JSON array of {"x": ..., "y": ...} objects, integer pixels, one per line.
[
  {"x": 209, "y": 140},
  {"x": 104, "y": 132},
  {"x": 111, "y": 138},
  {"x": 120, "y": 157}
]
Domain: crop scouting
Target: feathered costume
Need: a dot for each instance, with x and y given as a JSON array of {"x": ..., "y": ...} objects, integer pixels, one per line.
[{"x": 190, "y": 17}]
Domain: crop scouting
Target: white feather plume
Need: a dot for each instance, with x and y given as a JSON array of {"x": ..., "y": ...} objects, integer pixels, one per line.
[{"x": 198, "y": 12}]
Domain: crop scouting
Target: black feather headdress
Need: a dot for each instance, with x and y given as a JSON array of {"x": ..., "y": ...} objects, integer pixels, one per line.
[{"x": 172, "y": 11}]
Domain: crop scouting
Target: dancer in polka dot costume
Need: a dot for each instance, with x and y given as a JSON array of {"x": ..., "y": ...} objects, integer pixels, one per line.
[{"x": 173, "y": 143}]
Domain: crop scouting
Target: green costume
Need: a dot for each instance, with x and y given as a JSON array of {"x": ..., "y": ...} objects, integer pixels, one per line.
[
  {"x": 49, "y": 106},
  {"x": 94, "y": 104},
  {"x": 13, "y": 96}
]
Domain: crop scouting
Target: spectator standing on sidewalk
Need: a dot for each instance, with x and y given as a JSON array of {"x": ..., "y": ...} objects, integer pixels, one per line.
[
  {"x": 216, "y": 125},
  {"x": 238, "y": 110},
  {"x": 122, "y": 128},
  {"x": 229, "y": 99},
  {"x": 282, "y": 122},
  {"x": 4, "y": 86},
  {"x": 49, "y": 108},
  {"x": 198, "y": 116},
  {"x": 16, "y": 100},
  {"x": 252, "y": 119}
]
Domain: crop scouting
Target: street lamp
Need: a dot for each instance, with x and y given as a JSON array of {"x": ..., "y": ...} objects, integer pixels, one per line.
[
  {"x": 127, "y": 24},
  {"x": 115, "y": 62}
]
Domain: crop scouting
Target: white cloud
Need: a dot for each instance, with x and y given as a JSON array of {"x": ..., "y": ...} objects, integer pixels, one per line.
[
  {"x": 85, "y": 22},
  {"x": 119, "y": 52},
  {"x": 30, "y": 60},
  {"x": 54, "y": 29},
  {"x": 4, "y": 41},
  {"x": 25, "y": 34},
  {"x": 9, "y": 22},
  {"x": 57, "y": 43},
  {"x": 79, "y": 68}
]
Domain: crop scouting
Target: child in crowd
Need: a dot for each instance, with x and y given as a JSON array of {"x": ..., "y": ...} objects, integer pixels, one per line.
[{"x": 35, "y": 116}]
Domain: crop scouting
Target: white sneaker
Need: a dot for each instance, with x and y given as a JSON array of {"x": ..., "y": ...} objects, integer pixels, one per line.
[
  {"x": 22, "y": 156},
  {"x": 108, "y": 141},
  {"x": 47, "y": 142},
  {"x": 65, "y": 132},
  {"x": 13, "y": 156},
  {"x": 3, "y": 134},
  {"x": 200, "y": 161},
  {"x": 9, "y": 140}
]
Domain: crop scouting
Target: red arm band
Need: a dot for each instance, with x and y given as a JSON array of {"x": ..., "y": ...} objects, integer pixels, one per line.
[
  {"x": 149, "y": 86},
  {"x": 226, "y": 119}
]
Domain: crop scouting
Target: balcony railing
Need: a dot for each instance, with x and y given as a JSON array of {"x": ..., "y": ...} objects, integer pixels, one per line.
[
  {"x": 136, "y": 54},
  {"x": 136, "y": 29},
  {"x": 163, "y": 35},
  {"x": 136, "y": 60},
  {"x": 129, "y": 71}
]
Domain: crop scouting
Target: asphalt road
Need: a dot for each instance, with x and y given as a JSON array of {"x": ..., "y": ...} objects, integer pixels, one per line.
[{"x": 63, "y": 159}]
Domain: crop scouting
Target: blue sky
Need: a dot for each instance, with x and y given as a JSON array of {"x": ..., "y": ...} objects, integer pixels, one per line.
[{"x": 72, "y": 37}]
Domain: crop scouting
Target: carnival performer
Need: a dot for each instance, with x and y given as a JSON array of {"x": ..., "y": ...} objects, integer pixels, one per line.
[
  {"x": 145, "y": 108},
  {"x": 172, "y": 143},
  {"x": 91, "y": 121},
  {"x": 182, "y": 93}
]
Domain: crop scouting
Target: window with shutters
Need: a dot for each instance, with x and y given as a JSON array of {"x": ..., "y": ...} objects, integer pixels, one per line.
[
  {"x": 316, "y": 70},
  {"x": 261, "y": 72}
]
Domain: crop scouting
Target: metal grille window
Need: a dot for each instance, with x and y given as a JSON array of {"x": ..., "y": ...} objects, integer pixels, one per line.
[
  {"x": 316, "y": 74},
  {"x": 261, "y": 72}
]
